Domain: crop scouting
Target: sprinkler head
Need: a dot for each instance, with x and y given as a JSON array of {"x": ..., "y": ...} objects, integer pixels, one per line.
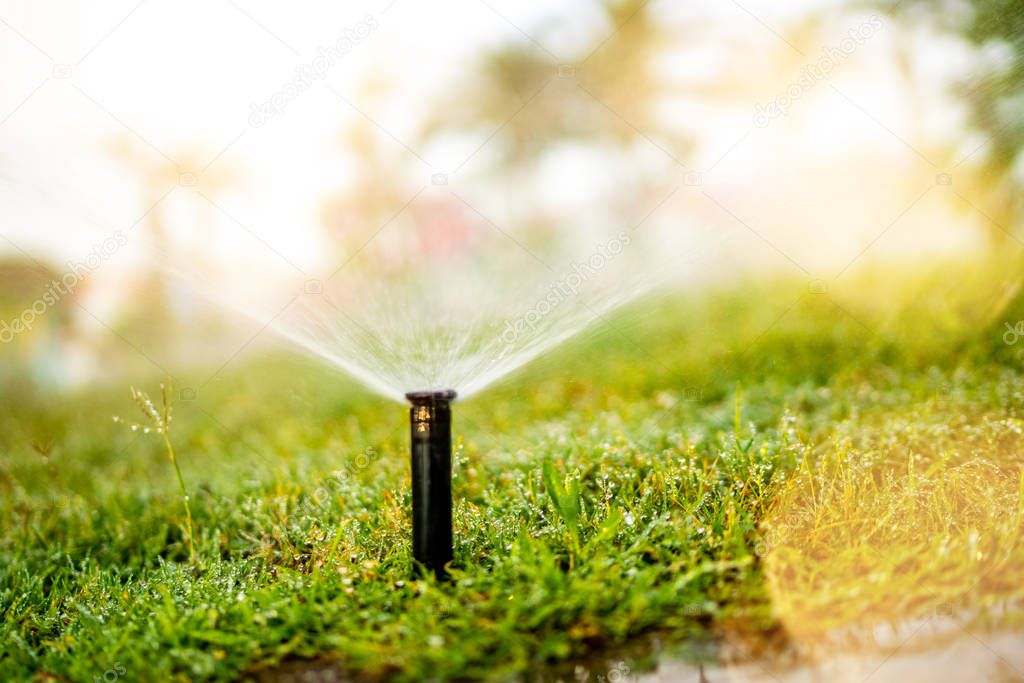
[
  {"x": 431, "y": 395},
  {"x": 430, "y": 423}
]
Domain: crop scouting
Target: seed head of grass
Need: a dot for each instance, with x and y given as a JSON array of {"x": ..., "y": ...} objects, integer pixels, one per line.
[{"x": 161, "y": 420}]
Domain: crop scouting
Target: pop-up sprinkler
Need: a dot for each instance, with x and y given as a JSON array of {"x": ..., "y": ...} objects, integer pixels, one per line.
[{"x": 430, "y": 419}]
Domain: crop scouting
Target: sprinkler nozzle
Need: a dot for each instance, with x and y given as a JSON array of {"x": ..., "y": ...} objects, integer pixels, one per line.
[{"x": 430, "y": 421}]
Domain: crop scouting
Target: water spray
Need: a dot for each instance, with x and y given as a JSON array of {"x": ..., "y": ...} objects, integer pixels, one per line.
[{"x": 430, "y": 420}]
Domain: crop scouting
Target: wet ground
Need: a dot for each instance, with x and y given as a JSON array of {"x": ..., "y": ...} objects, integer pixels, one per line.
[
  {"x": 921, "y": 651},
  {"x": 994, "y": 658}
]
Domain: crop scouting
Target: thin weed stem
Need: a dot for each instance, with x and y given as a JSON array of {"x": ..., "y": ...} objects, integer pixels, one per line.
[{"x": 162, "y": 423}]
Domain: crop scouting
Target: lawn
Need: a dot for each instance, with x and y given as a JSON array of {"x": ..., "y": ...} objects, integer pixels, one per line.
[{"x": 771, "y": 466}]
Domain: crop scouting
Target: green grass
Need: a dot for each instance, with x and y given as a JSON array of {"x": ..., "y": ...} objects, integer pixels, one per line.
[{"x": 759, "y": 464}]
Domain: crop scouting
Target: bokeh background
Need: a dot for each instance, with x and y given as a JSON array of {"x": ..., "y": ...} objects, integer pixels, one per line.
[{"x": 252, "y": 149}]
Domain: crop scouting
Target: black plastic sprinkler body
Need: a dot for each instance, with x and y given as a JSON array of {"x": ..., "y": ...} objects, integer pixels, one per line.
[{"x": 430, "y": 419}]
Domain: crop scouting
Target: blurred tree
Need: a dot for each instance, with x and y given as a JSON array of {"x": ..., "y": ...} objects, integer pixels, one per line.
[
  {"x": 372, "y": 199},
  {"x": 506, "y": 94},
  {"x": 995, "y": 95},
  {"x": 33, "y": 333},
  {"x": 998, "y": 96},
  {"x": 604, "y": 104},
  {"x": 149, "y": 314},
  {"x": 998, "y": 100}
]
